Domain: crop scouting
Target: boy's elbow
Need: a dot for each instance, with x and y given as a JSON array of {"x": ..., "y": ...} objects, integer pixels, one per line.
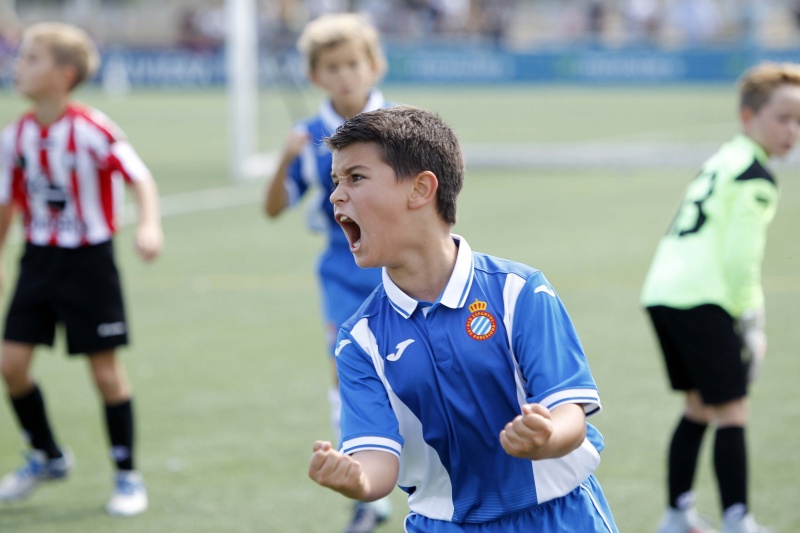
[
  {"x": 272, "y": 211},
  {"x": 274, "y": 206}
]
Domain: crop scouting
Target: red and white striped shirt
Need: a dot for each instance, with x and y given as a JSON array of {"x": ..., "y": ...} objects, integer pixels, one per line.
[{"x": 67, "y": 177}]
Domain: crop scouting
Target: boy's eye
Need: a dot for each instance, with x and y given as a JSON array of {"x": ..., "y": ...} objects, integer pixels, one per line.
[{"x": 356, "y": 177}]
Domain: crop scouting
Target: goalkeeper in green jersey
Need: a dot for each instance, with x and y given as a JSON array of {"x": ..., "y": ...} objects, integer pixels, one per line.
[{"x": 704, "y": 296}]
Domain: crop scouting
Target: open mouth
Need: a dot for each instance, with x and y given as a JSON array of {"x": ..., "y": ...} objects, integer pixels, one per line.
[{"x": 352, "y": 230}]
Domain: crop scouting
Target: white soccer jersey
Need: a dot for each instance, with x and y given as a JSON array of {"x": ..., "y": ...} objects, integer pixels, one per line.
[
  {"x": 436, "y": 383},
  {"x": 66, "y": 177}
]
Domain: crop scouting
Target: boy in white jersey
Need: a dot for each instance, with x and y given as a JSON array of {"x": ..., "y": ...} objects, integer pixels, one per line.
[
  {"x": 703, "y": 293},
  {"x": 462, "y": 377},
  {"x": 59, "y": 167},
  {"x": 344, "y": 58}
]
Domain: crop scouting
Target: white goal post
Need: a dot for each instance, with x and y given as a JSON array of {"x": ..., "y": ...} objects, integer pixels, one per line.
[{"x": 241, "y": 60}]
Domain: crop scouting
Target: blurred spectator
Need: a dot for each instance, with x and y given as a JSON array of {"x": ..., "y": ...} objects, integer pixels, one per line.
[
  {"x": 10, "y": 34},
  {"x": 699, "y": 21},
  {"x": 280, "y": 23},
  {"x": 321, "y": 7},
  {"x": 796, "y": 13},
  {"x": 493, "y": 17},
  {"x": 642, "y": 20},
  {"x": 203, "y": 28},
  {"x": 595, "y": 16},
  {"x": 451, "y": 16},
  {"x": 573, "y": 21},
  {"x": 517, "y": 23}
]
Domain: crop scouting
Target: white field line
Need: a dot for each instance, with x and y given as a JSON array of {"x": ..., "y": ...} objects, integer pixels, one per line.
[
  {"x": 187, "y": 203},
  {"x": 665, "y": 134}
]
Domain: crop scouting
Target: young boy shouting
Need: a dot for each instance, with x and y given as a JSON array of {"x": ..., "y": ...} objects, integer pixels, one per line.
[
  {"x": 462, "y": 377},
  {"x": 59, "y": 166}
]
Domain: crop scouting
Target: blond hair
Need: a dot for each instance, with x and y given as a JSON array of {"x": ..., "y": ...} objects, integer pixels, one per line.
[
  {"x": 759, "y": 82},
  {"x": 69, "y": 45},
  {"x": 332, "y": 30}
]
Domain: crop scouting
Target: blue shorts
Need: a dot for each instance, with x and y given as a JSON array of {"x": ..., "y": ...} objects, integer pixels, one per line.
[
  {"x": 583, "y": 510},
  {"x": 344, "y": 286}
]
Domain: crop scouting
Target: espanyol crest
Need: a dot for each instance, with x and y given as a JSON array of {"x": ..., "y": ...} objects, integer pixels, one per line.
[{"x": 480, "y": 324}]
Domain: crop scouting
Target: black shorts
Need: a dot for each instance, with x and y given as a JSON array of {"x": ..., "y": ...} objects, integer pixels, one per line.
[
  {"x": 77, "y": 287},
  {"x": 702, "y": 351}
]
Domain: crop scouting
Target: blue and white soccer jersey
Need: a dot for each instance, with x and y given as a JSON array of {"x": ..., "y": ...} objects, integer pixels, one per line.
[
  {"x": 435, "y": 383},
  {"x": 343, "y": 284}
]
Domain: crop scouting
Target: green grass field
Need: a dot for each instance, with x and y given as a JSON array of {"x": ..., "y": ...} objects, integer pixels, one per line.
[{"x": 228, "y": 362}]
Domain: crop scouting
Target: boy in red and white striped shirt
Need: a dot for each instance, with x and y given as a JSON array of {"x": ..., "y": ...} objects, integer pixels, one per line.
[{"x": 62, "y": 166}]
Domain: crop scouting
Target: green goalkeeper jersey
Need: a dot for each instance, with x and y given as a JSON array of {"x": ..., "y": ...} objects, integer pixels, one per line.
[{"x": 713, "y": 251}]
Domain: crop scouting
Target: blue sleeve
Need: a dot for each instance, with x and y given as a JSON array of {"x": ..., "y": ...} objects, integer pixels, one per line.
[
  {"x": 546, "y": 347},
  {"x": 296, "y": 183},
  {"x": 368, "y": 421}
]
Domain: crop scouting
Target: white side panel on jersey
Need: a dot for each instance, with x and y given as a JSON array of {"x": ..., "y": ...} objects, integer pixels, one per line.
[
  {"x": 420, "y": 465},
  {"x": 553, "y": 477},
  {"x": 316, "y": 219},
  {"x": 511, "y": 290},
  {"x": 556, "y": 477}
]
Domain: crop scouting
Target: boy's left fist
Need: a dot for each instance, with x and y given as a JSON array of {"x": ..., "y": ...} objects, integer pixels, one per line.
[{"x": 528, "y": 434}]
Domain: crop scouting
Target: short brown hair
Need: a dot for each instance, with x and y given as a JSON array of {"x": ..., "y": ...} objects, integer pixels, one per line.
[
  {"x": 410, "y": 140},
  {"x": 69, "y": 45},
  {"x": 328, "y": 31},
  {"x": 759, "y": 82}
]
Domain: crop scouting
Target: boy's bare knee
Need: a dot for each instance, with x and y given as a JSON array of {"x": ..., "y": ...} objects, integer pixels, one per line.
[
  {"x": 733, "y": 413},
  {"x": 696, "y": 410},
  {"x": 15, "y": 367},
  {"x": 109, "y": 377}
]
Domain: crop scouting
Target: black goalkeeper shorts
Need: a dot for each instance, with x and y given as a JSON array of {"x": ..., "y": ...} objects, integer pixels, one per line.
[{"x": 702, "y": 351}]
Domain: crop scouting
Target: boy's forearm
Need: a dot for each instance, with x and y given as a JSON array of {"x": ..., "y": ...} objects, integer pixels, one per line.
[
  {"x": 6, "y": 217},
  {"x": 569, "y": 430},
  {"x": 381, "y": 470},
  {"x": 276, "y": 200},
  {"x": 146, "y": 194}
]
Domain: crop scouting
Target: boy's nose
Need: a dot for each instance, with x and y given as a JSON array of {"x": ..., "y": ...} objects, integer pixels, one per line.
[{"x": 336, "y": 195}]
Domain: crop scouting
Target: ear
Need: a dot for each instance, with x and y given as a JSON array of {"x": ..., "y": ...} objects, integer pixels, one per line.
[
  {"x": 375, "y": 70},
  {"x": 68, "y": 75},
  {"x": 746, "y": 115},
  {"x": 423, "y": 190},
  {"x": 314, "y": 79}
]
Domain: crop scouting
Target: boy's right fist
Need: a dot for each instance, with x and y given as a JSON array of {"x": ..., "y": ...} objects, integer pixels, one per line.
[
  {"x": 335, "y": 470},
  {"x": 294, "y": 144}
]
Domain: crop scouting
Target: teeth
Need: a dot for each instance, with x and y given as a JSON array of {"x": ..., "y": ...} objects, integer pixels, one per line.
[{"x": 344, "y": 218}]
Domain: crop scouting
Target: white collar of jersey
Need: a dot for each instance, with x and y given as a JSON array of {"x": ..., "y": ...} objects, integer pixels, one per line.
[
  {"x": 455, "y": 293},
  {"x": 333, "y": 120}
]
